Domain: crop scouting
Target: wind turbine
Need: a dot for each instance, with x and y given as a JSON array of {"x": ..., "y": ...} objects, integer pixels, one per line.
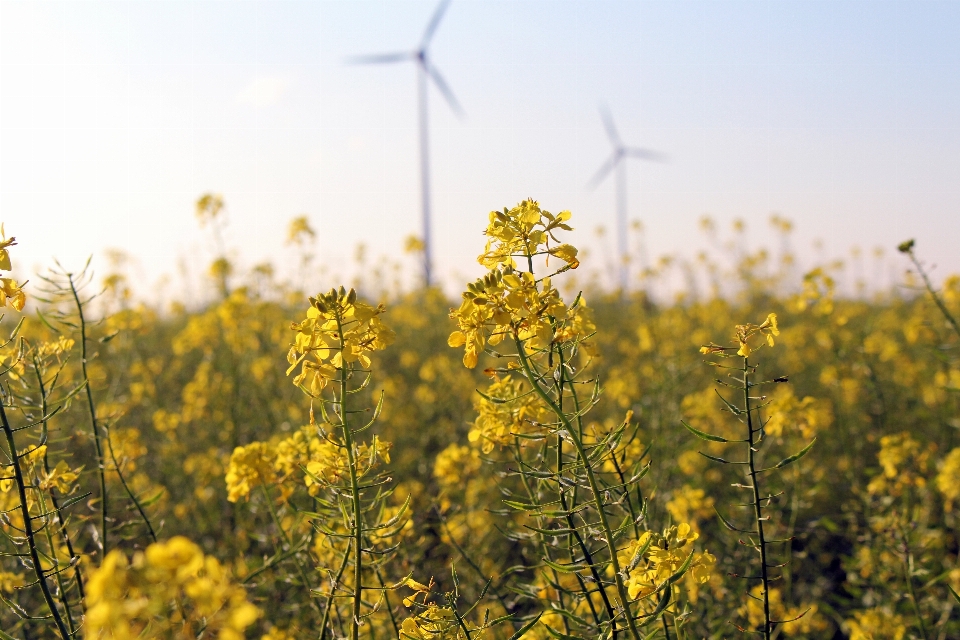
[
  {"x": 617, "y": 162},
  {"x": 426, "y": 72}
]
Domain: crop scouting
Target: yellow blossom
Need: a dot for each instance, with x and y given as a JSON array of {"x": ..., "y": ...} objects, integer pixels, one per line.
[{"x": 171, "y": 589}]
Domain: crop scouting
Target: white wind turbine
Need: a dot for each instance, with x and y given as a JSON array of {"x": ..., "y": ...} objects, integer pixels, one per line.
[
  {"x": 617, "y": 161},
  {"x": 426, "y": 72}
]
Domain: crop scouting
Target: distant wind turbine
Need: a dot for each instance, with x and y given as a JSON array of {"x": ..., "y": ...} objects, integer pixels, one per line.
[
  {"x": 426, "y": 71},
  {"x": 616, "y": 161}
]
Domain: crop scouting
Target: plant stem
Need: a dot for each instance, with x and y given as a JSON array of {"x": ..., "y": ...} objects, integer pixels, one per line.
[
  {"x": 753, "y": 444},
  {"x": 93, "y": 416},
  {"x": 44, "y": 428},
  {"x": 594, "y": 487},
  {"x": 933, "y": 294},
  {"x": 286, "y": 540},
  {"x": 354, "y": 493},
  {"x": 28, "y": 531}
]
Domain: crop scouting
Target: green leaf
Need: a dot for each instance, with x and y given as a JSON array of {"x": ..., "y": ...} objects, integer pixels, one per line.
[
  {"x": 702, "y": 435},
  {"x": 4, "y": 636},
  {"x": 566, "y": 568},
  {"x": 522, "y": 630},
  {"x": 954, "y": 594},
  {"x": 716, "y": 459},
  {"x": 734, "y": 409},
  {"x": 152, "y": 499},
  {"x": 795, "y": 456},
  {"x": 492, "y": 399}
]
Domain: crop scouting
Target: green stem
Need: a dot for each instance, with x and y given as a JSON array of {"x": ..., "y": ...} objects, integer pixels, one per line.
[
  {"x": 127, "y": 490},
  {"x": 28, "y": 531},
  {"x": 333, "y": 588},
  {"x": 354, "y": 493},
  {"x": 563, "y": 503},
  {"x": 594, "y": 487},
  {"x": 44, "y": 429},
  {"x": 288, "y": 543},
  {"x": 933, "y": 294},
  {"x": 907, "y": 563},
  {"x": 93, "y": 416},
  {"x": 56, "y": 566},
  {"x": 758, "y": 509}
]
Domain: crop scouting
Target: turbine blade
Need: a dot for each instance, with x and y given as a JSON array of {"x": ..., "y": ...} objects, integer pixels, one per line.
[
  {"x": 644, "y": 154},
  {"x": 381, "y": 58},
  {"x": 434, "y": 23},
  {"x": 444, "y": 88},
  {"x": 604, "y": 170},
  {"x": 609, "y": 126}
]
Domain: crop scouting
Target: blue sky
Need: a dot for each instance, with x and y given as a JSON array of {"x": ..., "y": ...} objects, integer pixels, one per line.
[{"x": 115, "y": 116}]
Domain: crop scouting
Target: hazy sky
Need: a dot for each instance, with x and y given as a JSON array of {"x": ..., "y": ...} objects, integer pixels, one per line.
[{"x": 115, "y": 116}]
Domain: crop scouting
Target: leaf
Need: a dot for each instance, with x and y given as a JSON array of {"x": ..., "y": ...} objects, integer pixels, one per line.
[
  {"x": 565, "y": 568},
  {"x": 522, "y": 630},
  {"x": 152, "y": 499},
  {"x": 727, "y": 523},
  {"x": 716, "y": 459},
  {"x": 734, "y": 409},
  {"x": 4, "y": 636},
  {"x": 795, "y": 456},
  {"x": 492, "y": 399},
  {"x": 521, "y": 506},
  {"x": 954, "y": 594},
  {"x": 703, "y": 435}
]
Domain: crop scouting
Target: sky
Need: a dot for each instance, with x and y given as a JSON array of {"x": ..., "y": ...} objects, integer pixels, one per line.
[{"x": 116, "y": 116}]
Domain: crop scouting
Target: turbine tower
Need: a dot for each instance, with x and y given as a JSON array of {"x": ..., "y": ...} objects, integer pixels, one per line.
[
  {"x": 617, "y": 162},
  {"x": 426, "y": 72}
]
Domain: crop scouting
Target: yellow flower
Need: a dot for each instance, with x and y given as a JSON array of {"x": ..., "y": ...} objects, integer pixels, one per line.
[
  {"x": 877, "y": 624},
  {"x": 172, "y": 589},
  {"x": 11, "y": 294},
  {"x": 338, "y": 331},
  {"x": 652, "y": 560},
  {"x": 250, "y": 467},
  {"x": 300, "y": 232},
  {"x": 513, "y": 410},
  {"x": 948, "y": 478}
]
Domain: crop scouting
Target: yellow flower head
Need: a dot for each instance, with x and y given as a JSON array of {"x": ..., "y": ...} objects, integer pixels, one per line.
[
  {"x": 172, "y": 589},
  {"x": 338, "y": 332},
  {"x": 767, "y": 329},
  {"x": 525, "y": 231}
]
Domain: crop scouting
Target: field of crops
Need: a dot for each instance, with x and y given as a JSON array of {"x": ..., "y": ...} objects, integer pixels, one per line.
[{"x": 529, "y": 460}]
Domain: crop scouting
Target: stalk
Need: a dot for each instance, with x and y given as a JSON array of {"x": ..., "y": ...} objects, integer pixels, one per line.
[
  {"x": 354, "y": 493},
  {"x": 64, "y": 600},
  {"x": 286, "y": 540},
  {"x": 28, "y": 526},
  {"x": 78, "y": 575},
  {"x": 758, "y": 509},
  {"x": 929, "y": 286},
  {"x": 594, "y": 488},
  {"x": 563, "y": 503},
  {"x": 93, "y": 416},
  {"x": 129, "y": 492}
]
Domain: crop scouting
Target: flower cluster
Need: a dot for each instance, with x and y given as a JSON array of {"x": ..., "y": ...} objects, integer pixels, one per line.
[
  {"x": 508, "y": 408},
  {"x": 744, "y": 333},
  {"x": 338, "y": 331},
  {"x": 803, "y": 620},
  {"x": 509, "y": 303},
  {"x": 11, "y": 293},
  {"x": 525, "y": 231},
  {"x": 653, "y": 560},
  {"x": 323, "y": 459},
  {"x": 171, "y": 589}
]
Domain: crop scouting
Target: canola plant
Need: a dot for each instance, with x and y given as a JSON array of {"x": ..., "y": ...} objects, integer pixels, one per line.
[{"x": 773, "y": 460}]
